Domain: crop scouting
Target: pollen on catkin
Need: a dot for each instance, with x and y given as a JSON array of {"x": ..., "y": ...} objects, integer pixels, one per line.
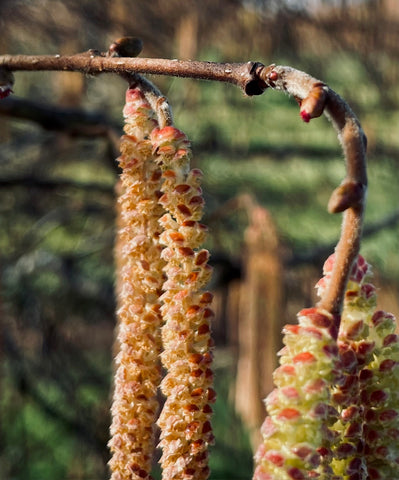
[
  {"x": 334, "y": 414},
  {"x": 367, "y": 398},
  {"x": 296, "y": 432},
  {"x": 139, "y": 286},
  {"x": 185, "y": 424}
]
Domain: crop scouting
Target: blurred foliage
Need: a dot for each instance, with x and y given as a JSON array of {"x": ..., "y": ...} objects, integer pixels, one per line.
[{"x": 57, "y": 199}]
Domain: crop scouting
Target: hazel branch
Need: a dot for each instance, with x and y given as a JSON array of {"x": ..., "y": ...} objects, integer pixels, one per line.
[
  {"x": 314, "y": 98},
  {"x": 94, "y": 62}
]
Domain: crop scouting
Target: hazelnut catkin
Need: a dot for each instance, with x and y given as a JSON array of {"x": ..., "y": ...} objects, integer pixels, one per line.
[
  {"x": 334, "y": 414},
  {"x": 185, "y": 424},
  {"x": 139, "y": 286}
]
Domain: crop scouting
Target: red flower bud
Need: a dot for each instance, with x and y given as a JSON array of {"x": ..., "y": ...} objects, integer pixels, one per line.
[
  {"x": 304, "y": 357},
  {"x": 288, "y": 414}
]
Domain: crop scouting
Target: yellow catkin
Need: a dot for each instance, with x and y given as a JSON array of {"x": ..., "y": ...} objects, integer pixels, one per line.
[
  {"x": 139, "y": 287},
  {"x": 185, "y": 425}
]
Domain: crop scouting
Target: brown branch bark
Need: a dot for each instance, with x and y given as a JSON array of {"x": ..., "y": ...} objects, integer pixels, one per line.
[
  {"x": 93, "y": 63},
  {"x": 314, "y": 98}
]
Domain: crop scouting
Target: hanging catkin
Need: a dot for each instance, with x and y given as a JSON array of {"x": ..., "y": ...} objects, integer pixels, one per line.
[
  {"x": 139, "y": 286},
  {"x": 185, "y": 425}
]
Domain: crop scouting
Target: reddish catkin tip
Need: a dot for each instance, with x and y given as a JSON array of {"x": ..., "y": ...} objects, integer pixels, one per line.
[
  {"x": 202, "y": 257},
  {"x": 295, "y": 473},
  {"x": 316, "y": 317},
  {"x": 305, "y": 116},
  {"x": 195, "y": 358},
  {"x": 390, "y": 339},
  {"x": 176, "y": 237},
  {"x": 207, "y": 427},
  {"x": 378, "y": 396},
  {"x": 290, "y": 392},
  {"x": 315, "y": 386},
  {"x": 273, "y": 76},
  {"x": 208, "y": 313},
  {"x": 355, "y": 330},
  {"x": 275, "y": 457},
  {"x": 169, "y": 174},
  {"x": 206, "y": 297},
  {"x": 203, "y": 329},
  {"x": 186, "y": 251},
  {"x": 294, "y": 329},
  {"x": 286, "y": 370},
  {"x": 193, "y": 310},
  {"x": 374, "y": 474},
  {"x": 387, "y": 365},
  {"x": 302, "y": 451},
  {"x": 330, "y": 350},
  {"x": 349, "y": 413},
  {"x": 288, "y": 414},
  {"x": 345, "y": 450},
  {"x": 197, "y": 392},
  {"x": 304, "y": 357},
  {"x": 184, "y": 210},
  {"x": 211, "y": 395},
  {"x": 182, "y": 188},
  {"x": 388, "y": 415}
]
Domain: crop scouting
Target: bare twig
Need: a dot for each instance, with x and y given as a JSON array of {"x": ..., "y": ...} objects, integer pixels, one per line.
[
  {"x": 253, "y": 78},
  {"x": 93, "y": 62},
  {"x": 314, "y": 98},
  {"x": 74, "y": 121}
]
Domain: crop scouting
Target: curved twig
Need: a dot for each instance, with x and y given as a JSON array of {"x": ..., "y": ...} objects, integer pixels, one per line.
[
  {"x": 253, "y": 78},
  {"x": 314, "y": 98}
]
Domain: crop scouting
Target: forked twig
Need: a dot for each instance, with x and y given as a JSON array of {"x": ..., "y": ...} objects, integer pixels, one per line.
[{"x": 253, "y": 78}]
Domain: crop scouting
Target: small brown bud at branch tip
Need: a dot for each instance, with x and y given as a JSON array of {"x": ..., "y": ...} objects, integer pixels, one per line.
[{"x": 125, "y": 47}]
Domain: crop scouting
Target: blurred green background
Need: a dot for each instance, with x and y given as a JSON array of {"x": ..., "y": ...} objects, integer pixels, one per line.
[{"x": 57, "y": 175}]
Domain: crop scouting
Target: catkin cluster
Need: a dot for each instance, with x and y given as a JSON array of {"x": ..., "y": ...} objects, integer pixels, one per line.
[
  {"x": 164, "y": 313},
  {"x": 366, "y": 442},
  {"x": 297, "y": 429},
  {"x": 334, "y": 414}
]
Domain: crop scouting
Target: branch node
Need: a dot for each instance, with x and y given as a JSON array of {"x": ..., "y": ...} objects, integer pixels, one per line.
[{"x": 348, "y": 194}]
